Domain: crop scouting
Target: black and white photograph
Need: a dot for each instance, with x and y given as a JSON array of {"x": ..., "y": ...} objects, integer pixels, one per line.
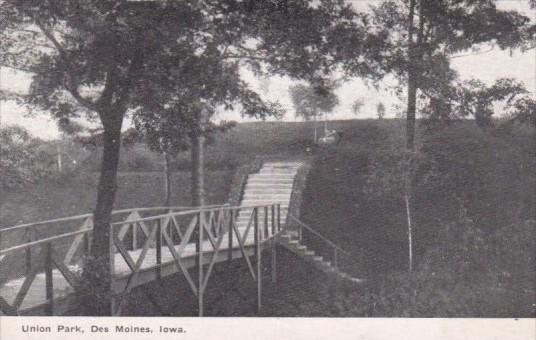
[{"x": 290, "y": 161}]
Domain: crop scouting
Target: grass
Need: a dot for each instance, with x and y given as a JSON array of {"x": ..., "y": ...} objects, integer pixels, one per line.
[
  {"x": 473, "y": 237},
  {"x": 76, "y": 194}
]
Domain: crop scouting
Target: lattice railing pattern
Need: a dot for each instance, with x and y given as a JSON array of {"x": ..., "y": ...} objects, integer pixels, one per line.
[{"x": 46, "y": 264}]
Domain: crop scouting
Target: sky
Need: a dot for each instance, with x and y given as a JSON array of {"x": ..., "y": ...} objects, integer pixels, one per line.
[{"x": 485, "y": 66}]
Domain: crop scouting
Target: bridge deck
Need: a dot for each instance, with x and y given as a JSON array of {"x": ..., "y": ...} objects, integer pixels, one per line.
[{"x": 152, "y": 264}]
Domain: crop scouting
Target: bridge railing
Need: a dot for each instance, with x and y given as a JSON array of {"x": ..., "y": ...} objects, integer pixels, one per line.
[
  {"x": 144, "y": 243},
  {"x": 22, "y": 254},
  {"x": 188, "y": 239}
]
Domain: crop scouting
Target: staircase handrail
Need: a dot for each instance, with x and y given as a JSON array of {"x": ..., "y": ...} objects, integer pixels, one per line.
[{"x": 322, "y": 237}]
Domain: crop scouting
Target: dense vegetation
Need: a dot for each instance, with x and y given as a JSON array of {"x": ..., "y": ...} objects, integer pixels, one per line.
[
  {"x": 475, "y": 228},
  {"x": 474, "y": 217}
]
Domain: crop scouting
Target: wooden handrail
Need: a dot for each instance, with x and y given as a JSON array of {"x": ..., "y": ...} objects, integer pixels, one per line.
[
  {"x": 82, "y": 216},
  {"x": 42, "y": 241},
  {"x": 190, "y": 212},
  {"x": 322, "y": 237}
]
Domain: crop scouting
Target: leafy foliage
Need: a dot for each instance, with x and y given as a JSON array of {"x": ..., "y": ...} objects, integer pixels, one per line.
[
  {"x": 22, "y": 162},
  {"x": 310, "y": 102}
]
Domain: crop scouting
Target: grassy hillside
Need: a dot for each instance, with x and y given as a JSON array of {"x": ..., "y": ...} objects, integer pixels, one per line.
[
  {"x": 140, "y": 177},
  {"x": 473, "y": 214}
]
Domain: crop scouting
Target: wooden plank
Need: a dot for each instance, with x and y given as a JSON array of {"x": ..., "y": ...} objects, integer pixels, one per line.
[
  {"x": 135, "y": 271},
  {"x": 266, "y": 222},
  {"x": 209, "y": 234},
  {"x": 69, "y": 276},
  {"x": 243, "y": 251},
  {"x": 159, "y": 247},
  {"x": 76, "y": 242},
  {"x": 230, "y": 233},
  {"x": 178, "y": 263},
  {"x": 188, "y": 235},
  {"x": 259, "y": 263},
  {"x": 41, "y": 242},
  {"x": 213, "y": 260},
  {"x": 6, "y": 308},
  {"x": 124, "y": 252},
  {"x": 30, "y": 277},
  {"x": 200, "y": 266},
  {"x": 248, "y": 227},
  {"x": 49, "y": 282},
  {"x": 177, "y": 227}
]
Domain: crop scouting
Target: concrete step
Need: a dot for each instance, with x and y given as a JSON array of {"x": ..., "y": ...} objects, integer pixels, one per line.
[
  {"x": 262, "y": 184},
  {"x": 261, "y": 203},
  {"x": 277, "y": 171},
  {"x": 266, "y": 196},
  {"x": 254, "y": 179},
  {"x": 272, "y": 175},
  {"x": 282, "y": 164},
  {"x": 269, "y": 191}
]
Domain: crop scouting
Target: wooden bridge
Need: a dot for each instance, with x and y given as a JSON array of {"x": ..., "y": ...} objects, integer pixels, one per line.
[{"x": 41, "y": 263}]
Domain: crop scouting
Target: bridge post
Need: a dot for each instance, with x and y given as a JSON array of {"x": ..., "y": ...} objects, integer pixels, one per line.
[
  {"x": 274, "y": 248},
  {"x": 199, "y": 250},
  {"x": 28, "y": 252},
  {"x": 115, "y": 301},
  {"x": 258, "y": 256},
  {"x": 159, "y": 248},
  {"x": 49, "y": 283}
]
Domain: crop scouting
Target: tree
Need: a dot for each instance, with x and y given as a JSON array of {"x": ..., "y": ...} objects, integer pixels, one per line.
[
  {"x": 211, "y": 80},
  {"x": 427, "y": 34},
  {"x": 22, "y": 163},
  {"x": 90, "y": 59},
  {"x": 102, "y": 59},
  {"x": 380, "y": 110},
  {"x": 358, "y": 105},
  {"x": 312, "y": 102}
]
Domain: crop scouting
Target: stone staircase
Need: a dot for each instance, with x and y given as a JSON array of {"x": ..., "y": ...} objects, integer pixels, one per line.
[
  {"x": 273, "y": 184},
  {"x": 288, "y": 241}
]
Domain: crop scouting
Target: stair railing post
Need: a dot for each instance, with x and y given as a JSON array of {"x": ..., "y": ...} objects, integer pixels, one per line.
[
  {"x": 266, "y": 235},
  {"x": 273, "y": 219},
  {"x": 49, "y": 283},
  {"x": 199, "y": 250},
  {"x": 300, "y": 233},
  {"x": 258, "y": 262},
  {"x": 230, "y": 248},
  {"x": 114, "y": 306},
  {"x": 278, "y": 217}
]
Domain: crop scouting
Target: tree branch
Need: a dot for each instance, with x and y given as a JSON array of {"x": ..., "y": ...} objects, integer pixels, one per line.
[{"x": 73, "y": 87}]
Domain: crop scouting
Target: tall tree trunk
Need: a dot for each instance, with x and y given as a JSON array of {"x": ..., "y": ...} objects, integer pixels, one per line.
[
  {"x": 198, "y": 173},
  {"x": 167, "y": 180},
  {"x": 97, "y": 289},
  {"x": 412, "y": 81},
  {"x": 410, "y": 232},
  {"x": 414, "y": 60},
  {"x": 59, "y": 161}
]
